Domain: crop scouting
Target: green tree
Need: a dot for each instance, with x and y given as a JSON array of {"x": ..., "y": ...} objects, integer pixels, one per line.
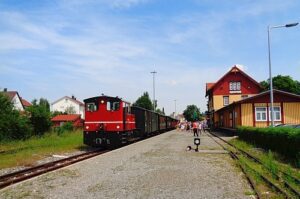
[
  {"x": 144, "y": 102},
  {"x": 13, "y": 125},
  {"x": 70, "y": 110},
  {"x": 192, "y": 113},
  {"x": 44, "y": 103},
  {"x": 40, "y": 116},
  {"x": 284, "y": 83},
  {"x": 160, "y": 111}
]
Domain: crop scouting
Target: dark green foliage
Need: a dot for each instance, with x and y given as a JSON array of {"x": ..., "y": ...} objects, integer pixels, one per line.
[
  {"x": 160, "y": 111},
  {"x": 144, "y": 102},
  {"x": 40, "y": 116},
  {"x": 283, "y": 140},
  {"x": 192, "y": 113},
  {"x": 284, "y": 83},
  {"x": 68, "y": 126},
  {"x": 13, "y": 125},
  {"x": 44, "y": 103}
]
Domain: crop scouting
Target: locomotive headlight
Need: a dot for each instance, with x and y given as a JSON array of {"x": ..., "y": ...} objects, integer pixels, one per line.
[
  {"x": 87, "y": 127},
  {"x": 118, "y": 127}
]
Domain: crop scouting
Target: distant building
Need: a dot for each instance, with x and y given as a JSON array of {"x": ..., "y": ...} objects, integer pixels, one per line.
[
  {"x": 180, "y": 117},
  {"x": 255, "y": 111},
  {"x": 68, "y": 103},
  {"x": 75, "y": 119},
  {"x": 235, "y": 85},
  {"x": 236, "y": 100},
  {"x": 18, "y": 103}
]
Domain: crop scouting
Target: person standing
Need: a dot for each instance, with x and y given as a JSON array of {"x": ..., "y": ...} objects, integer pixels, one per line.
[
  {"x": 195, "y": 129},
  {"x": 200, "y": 127}
]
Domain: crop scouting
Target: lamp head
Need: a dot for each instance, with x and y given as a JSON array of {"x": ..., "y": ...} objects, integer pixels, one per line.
[
  {"x": 291, "y": 25},
  {"x": 197, "y": 141}
]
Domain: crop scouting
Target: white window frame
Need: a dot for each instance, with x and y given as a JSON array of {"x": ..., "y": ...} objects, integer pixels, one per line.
[
  {"x": 260, "y": 113},
  {"x": 235, "y": 86},
  {"x": 225, "y": 97},
  {"x": 278, "y": 111}
]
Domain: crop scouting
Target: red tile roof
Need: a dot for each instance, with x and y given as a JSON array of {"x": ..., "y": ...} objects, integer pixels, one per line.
[
  {"x": 209, "y": 86},
  {"x": 25, "y": 103},
  {"x": 10, "y": 94},
  {"x": 66, "y": 118}
]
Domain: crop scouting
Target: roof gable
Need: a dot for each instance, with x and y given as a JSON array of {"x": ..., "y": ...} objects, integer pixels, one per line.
[
  {"x": 234, "y": 69},
  {"x": 73, "y": 100},
  {"x": 10, "y": 94}
]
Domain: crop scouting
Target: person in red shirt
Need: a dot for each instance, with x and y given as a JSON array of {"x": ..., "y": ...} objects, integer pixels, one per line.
[{"x": 195, "y": 129}]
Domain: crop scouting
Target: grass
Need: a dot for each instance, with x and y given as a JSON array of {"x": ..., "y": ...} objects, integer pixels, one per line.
[
  {"x": 273, "y": 161},
  {"x": 27, "y": 152}
]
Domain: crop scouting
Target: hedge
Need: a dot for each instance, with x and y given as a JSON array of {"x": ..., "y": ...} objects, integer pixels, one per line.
[{"x": 283, "y": 140}]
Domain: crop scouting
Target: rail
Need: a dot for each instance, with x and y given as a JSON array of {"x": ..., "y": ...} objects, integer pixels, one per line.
[
  {"x": 12, "y": 178},
  {"x": 255, "y": 159}
]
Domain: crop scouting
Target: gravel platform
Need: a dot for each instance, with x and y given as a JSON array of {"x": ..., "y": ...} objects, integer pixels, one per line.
[{"x": 158, "y": 167}]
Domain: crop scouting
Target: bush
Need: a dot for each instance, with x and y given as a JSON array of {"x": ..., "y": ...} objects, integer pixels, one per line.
[
  {"x": 13, "y": 125},
  {"x": 40, "y": 119},
  {"x": 68, "y": 126},
  {"x": 283, "y": 140}
]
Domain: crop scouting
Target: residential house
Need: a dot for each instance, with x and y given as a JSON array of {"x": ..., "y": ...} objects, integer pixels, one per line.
[
  {"x": 18, "y": 102},
  {"x": 235, "y": 85},
  {"x": 236, "y": 100},
  {"x": 67, "y": 104}
]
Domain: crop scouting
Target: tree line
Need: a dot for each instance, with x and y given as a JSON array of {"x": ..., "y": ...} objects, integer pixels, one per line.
[{"x": 21, "y": 125}]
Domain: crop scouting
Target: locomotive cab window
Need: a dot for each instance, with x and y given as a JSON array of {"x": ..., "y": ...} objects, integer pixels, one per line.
[
  {"x": 91, "y": 106},
  {"x": 126, "y": 107},
  {"x": 112, "y": 105}
]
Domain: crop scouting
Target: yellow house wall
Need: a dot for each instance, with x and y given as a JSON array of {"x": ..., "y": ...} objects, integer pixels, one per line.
[
  {"x": 261, "y": 124},
  {"x": 218, "y": 100},
  {"x": 247, "y": 115},
  {"x": 291, "y": 113}
]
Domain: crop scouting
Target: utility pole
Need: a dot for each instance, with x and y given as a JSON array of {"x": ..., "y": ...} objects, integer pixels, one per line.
[
  {"x": 154, "y": 72},
  {"x": 175, "y": 108}
]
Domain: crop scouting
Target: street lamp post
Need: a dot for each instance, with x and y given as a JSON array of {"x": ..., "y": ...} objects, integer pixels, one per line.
[
  {"x": 270, "y": 69},
  {"x": 175, "y": 109},
  {"x": 153, "y": 72}
]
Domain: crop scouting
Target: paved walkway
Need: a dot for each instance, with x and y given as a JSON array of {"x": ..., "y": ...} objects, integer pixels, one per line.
[{"x": 158, "y": 167}]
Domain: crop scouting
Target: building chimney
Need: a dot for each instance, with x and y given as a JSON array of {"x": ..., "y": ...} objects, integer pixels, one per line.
[
  {"x": 5, "y": 89},
  {"x": 73, "y": 97}
]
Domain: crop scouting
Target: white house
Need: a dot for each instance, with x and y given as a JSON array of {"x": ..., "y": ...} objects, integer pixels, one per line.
[
  {"x": 15, "y": 99},
  {"x": 68, "y": 103}
]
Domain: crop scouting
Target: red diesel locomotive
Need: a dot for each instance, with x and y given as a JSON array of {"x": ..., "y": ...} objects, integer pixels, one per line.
[{"x": 112, "y": 122}]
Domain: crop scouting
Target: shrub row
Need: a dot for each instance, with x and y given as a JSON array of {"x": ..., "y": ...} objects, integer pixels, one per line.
[
  {"x": 15, "y": 125},
  {"x": 283, "y": 140}
]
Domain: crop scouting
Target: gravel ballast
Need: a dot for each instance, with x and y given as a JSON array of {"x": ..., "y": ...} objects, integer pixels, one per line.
[{"x": 158, "y": 167}]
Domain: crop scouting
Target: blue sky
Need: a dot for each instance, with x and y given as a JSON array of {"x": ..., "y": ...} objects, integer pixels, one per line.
[{"x": 55, "y": 48}]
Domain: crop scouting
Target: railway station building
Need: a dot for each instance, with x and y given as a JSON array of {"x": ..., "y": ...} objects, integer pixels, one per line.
[{"x": 236, "y": 99}]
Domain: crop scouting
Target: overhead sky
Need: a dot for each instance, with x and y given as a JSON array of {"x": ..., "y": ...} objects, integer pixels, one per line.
[{"x": 87, "y": 47}]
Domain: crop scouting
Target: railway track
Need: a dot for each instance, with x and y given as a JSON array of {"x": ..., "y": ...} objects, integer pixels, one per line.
[
  {"x": 25, "y": 174},
  {"x": 280, "y": 177}
]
